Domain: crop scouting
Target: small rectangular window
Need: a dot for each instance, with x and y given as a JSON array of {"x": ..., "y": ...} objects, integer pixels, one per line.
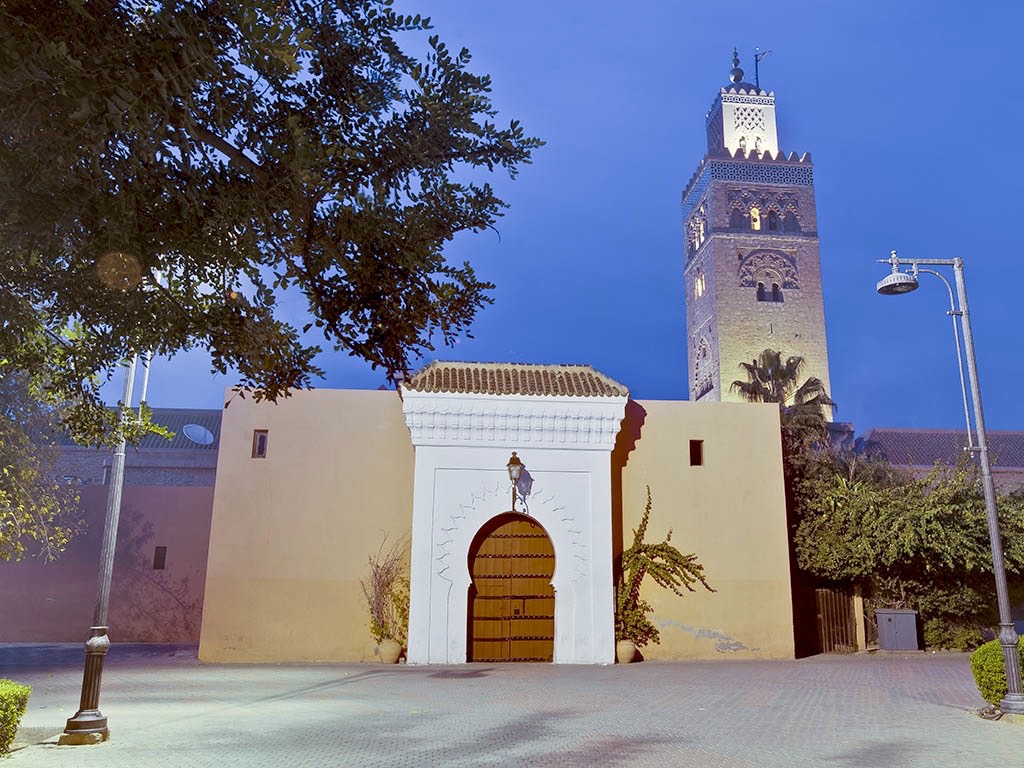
[
  {"x": 259, "y": 443},
  {"x": 159, "y": 558},
  {"x": 696, "y": 453}
]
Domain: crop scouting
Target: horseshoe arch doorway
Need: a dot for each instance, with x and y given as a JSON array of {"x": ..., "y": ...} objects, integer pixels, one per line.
[{"x": 511, "y": 614}]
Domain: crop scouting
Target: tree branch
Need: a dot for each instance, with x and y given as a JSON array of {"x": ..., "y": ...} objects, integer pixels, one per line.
[{"x": 205, "y": 135}]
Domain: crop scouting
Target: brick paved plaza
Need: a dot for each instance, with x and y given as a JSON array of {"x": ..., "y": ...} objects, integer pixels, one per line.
[{"x": 167, "y": 709}]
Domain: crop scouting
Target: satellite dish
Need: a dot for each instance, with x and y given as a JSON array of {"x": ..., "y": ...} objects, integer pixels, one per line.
[{"x": 198, "y": 434}]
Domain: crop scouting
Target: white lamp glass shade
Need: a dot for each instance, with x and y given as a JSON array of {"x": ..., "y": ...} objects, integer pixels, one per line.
[
  {"x": 896, "y": 283},
  {"x": 515, "y": 468}
]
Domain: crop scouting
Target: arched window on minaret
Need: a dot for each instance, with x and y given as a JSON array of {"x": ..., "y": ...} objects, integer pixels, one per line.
[
  {"x": 737, "y": 220},
  {"x": 773, "y": 221},
  {"x": 776, "y": 292},
  {"x": 790, "y": 223},
  {"x": 698, "y": 226},
  {"x": 755, "y": 219},
  {"x": 761, "y": 295}
]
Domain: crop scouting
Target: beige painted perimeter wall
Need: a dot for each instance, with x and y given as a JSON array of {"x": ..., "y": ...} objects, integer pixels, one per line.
[
  {"x": 53, "y": 602},
  {"x": 730, "y": 512},
  {"x": 291, "y": 533}
]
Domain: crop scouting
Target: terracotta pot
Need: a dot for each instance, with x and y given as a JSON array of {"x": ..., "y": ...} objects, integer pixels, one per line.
[
  {"x": 389, "y": 650},
  {"x": 625, "y": 651}
]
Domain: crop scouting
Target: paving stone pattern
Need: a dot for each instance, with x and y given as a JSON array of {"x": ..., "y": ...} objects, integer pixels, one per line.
[{"x": 167, "y": 709}]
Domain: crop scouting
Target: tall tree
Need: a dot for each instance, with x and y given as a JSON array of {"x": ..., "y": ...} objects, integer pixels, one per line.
[
  {"x": 169, "y": 171},
  {"x": 772, "y": 379},
  {"x": 38, "y": 516},
  {"x": 917, "y": 543}
]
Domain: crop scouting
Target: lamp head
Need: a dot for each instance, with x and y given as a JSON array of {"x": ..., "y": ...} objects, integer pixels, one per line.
[
  {"x": 896, "y": 283},
  {"x": 515, "y": 468}
]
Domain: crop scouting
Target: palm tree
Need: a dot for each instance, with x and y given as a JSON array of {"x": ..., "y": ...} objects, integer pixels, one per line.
[{"x": 770, "y": 379}]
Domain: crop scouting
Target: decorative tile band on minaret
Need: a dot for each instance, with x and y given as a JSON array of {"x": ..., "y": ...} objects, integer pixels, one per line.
[{"x": 750, "y": 232}]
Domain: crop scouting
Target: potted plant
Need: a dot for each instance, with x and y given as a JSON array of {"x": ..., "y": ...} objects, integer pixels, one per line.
[
  {"x": 667, "y": 566},
  {"x": 387, "y": 597}
]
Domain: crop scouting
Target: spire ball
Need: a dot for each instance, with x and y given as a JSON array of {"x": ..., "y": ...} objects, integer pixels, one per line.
[{"x": 736, "y": 75}]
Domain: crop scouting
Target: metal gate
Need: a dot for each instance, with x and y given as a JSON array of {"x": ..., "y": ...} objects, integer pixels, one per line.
[
  {"x": 511, "y": 601},
  {"x": 837, "y": 620}
]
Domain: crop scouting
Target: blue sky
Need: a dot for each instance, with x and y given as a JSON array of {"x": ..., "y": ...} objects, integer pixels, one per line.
[{"x": 912, "y": 113}]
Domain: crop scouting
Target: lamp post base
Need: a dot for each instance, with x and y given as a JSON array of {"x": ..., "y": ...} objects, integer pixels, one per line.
[
  {"x": 89, "y": 725},
  {"x": 1013, "y": 701},
  {"x": 83, "y": 737},
  {"x": 1012, "y": 704}
]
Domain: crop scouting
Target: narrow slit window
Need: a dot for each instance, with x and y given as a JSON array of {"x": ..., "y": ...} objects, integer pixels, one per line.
[
  {"x": 259, "y": 443},
  {"x": 696, "y": 453},
  {"x": 159, "y": 558}
]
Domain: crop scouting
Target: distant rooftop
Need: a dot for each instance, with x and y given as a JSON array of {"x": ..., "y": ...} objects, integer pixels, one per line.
[
  {"x": 514, "y": 379},
  {"x": 925, "y": 447},
  {"x": 194, "y": 428}
]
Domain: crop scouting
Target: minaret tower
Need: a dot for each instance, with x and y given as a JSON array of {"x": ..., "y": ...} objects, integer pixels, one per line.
[{"x": 753, "y": 274}]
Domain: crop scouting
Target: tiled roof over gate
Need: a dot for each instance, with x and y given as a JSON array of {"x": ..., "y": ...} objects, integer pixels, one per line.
[
  {"x": 514, "y": 379},
  {"x": 924, "y": 447}
]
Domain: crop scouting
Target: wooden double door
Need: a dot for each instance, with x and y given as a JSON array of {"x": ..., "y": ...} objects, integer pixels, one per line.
[{"x": 511, "y": 600}]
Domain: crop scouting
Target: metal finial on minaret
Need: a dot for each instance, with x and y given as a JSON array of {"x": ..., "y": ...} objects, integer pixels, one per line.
[
  {"x": 736, "y": 75},
  {"x": 758, "y": 55}
]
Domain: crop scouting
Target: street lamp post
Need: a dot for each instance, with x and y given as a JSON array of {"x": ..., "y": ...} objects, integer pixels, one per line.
[
  {"x": 89, "y": 724},
  {"x": 898, "y": 282}
]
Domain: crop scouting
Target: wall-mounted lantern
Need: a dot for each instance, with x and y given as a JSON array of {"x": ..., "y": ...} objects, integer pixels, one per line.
[{"x": 515, "y": 470}]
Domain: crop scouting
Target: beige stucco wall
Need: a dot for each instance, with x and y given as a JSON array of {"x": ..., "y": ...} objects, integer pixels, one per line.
[
  {"x": 730, "y": 512},
  {"x": 53, "y": 602},
  {"x": 292, "y": 532}
]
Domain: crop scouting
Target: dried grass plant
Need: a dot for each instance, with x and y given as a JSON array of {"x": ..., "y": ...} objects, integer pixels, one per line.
[{"x": 387, "y": 592}]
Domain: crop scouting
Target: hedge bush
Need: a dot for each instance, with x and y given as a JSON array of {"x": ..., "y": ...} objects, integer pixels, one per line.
[
  {"x": 989, "y": 671},
  {"x": 13, "y": 702},
  {"x": 947, "y": 635}
]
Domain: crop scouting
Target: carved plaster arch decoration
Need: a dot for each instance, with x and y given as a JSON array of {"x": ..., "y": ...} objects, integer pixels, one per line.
[
  {"x": 788, "y": 203},
  {"x": 450, "y": 573},
  {"x": 455, "y": 535},
  {"x": 758, "y": 265},
  {"x": 780, "y": 202}
]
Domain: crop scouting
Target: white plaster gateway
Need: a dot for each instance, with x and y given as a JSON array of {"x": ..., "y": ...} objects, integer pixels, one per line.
[{"x": 465, "y": 420}]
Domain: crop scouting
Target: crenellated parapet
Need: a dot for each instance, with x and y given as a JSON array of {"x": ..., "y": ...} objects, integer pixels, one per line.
[{"x": 754, "y": 155}]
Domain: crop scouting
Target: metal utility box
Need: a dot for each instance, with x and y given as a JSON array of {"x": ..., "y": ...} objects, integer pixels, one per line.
[{"x": 897, "y": 630}]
